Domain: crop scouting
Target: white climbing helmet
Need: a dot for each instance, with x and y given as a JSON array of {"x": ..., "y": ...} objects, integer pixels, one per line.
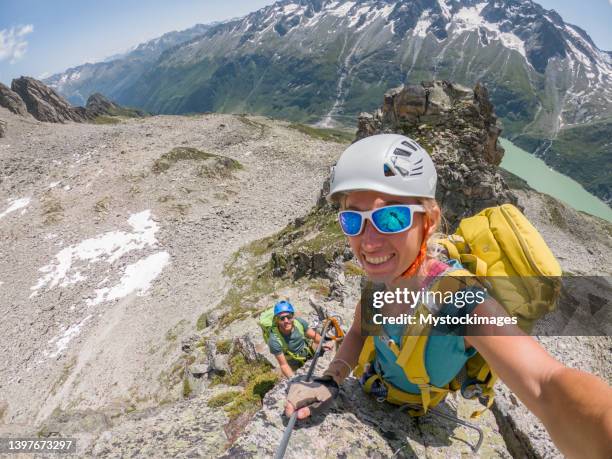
[{"x": 389, "y": 163}]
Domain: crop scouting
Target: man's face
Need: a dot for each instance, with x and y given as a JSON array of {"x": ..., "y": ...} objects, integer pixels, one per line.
[{"x": 285, "y": 322}]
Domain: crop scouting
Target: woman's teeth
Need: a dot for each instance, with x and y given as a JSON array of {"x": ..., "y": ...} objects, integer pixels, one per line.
[{"x": 377, "y": 260}]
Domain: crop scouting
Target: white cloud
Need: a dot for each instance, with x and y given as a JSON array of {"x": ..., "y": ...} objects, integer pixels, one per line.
[{"x": 13, "y": 44}]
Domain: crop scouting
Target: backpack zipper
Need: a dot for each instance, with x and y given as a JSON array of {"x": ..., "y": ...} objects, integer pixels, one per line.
[{"x": 526, "y": 251}]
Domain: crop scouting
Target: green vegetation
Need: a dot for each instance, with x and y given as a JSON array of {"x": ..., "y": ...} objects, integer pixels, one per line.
[
  {"x": 224, "y": 346},
  {"x": 66, "y": 371},
  {"x": 173, "y": 332},
  {"x": 257, "y": 378},
  {"x": 554, "y": 211},
  {"x": 202, "y": 322},
  {"x": 179, "y": 154},
  {"x": 52, "y": 210},
  {"x": 104, "y": 119},
  {"x": 250, "y": 399},
  {"x": 219, "y": 166},
  {"x": 213, "y": 165},
  {"x": 223, "y": 398},
  {"x": 186, "y": 387},
  {"x": 352, "y": 269},
  {"x": 174, "y": 375},
  {"x": 126, "y": 112},
  {"x": 584, "y": 153},
  {"x": 250, "y": 280},
  {"x": 261, "y": 267},
  {"x": 179, "y": 208},
  {"x": 253, "y": 124},
  {"x": 328, "y": 135}
]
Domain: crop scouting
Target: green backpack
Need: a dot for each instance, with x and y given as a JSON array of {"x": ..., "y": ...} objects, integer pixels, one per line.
[{"x": 268, "y": 327}]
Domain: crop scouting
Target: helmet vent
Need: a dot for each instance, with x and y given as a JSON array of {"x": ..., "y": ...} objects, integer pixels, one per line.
[
  {"x": 400, "y": 152},
  {"x": 416, "y": 171},
  {"x": 409, "y": 145}
]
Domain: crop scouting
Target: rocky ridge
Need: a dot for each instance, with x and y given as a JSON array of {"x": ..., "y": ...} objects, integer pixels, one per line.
[
  {"x": 44, "y": 104},
  {"x": 458, "y": 127},
  {"x": 99, "y": 105},
  {"x": 30, "y": 96},
  {"x": 11, "y": 100}
]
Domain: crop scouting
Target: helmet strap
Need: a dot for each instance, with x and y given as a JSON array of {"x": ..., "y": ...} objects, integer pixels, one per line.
[{"x": 420, "y": 258}]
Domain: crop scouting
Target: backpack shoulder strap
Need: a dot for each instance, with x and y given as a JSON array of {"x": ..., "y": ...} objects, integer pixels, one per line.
[
  {"x": 300, "y": 327},
  {"x": 279, "y": 337}
]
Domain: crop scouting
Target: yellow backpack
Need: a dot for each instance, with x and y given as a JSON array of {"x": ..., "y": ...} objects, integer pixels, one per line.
[{"x": 501, "y": 249}]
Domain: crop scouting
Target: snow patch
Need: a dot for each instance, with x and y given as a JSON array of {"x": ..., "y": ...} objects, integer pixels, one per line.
[
  {"x": 61, "y": 341},
  {"x": 383, "y": 12},
  {"x": 469, "y": 18},
  {"x": 292, "y": 7},
  {"x": 446, "y": 11},
  {"x": 420, "y": 29},
  {"x": 15, "y": 204},
  {"x": 137, "y": 278},
  {"x": 342, "y": 10},
  {"x": 107, "y": 247}
]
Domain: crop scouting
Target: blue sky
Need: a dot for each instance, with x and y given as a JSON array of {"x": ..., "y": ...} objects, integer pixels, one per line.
[{"x": 40, "y": 37}]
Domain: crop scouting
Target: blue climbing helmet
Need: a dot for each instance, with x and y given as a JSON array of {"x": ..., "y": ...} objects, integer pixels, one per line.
[{"x": 283, "y": 306}]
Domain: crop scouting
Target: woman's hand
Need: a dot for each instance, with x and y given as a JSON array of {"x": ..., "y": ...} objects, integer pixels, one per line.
[{"x": 310, "y": 397}]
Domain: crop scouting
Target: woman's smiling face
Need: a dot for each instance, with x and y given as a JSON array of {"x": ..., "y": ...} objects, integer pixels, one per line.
[{"x": 384, "y": 257}]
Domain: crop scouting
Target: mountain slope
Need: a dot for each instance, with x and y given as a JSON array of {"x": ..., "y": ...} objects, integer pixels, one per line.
[
  {"x": 325, "y": 61},
  {"x": 119, "y": 72}
]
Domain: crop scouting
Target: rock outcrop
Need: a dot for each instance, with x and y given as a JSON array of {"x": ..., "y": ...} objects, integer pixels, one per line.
[
  {"x": 2, "y": 128},
  {"x": 358, "y": 426},
  {"x": 457, "y": 126},
  {"x": 99, "y": 105},
  {"x": 10, "y": 99},
  {"x": 44, "y": 104}
]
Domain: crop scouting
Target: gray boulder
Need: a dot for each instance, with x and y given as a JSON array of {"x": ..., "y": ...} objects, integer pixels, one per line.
[
  {"x": 10, "y": 99},
  {"x": 44, "y": 104},
  {"x": 2, "y": 128}
]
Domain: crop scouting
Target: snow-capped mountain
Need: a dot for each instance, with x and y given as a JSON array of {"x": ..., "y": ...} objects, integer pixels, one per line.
[{"x": 325, "y": 61}]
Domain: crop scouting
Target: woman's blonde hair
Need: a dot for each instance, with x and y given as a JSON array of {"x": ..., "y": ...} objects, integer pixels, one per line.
[{"x": 434, "y": 249}]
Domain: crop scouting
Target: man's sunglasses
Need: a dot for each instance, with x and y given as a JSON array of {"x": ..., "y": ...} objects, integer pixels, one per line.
[
  {"x": 386, "y": 220},
  {"x": 285, "y": 317}
]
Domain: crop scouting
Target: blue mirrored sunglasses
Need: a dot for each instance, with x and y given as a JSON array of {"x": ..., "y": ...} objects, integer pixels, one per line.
[{"x": 386, "y": 220}]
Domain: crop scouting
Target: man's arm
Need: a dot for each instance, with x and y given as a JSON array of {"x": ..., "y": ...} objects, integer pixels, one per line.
[
  {"x": 284, "y": 366},
  {"x": 574, "y": 406},
  {"x": 313, "y": 335},
  {"x": 345, "y": 360}
]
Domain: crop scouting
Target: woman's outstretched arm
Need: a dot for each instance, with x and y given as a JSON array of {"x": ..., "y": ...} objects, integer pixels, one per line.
[{"x": 574, "y": 406}]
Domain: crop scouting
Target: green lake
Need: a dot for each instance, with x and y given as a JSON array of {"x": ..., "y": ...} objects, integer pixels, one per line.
[{"x": 546, "y": 180}]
